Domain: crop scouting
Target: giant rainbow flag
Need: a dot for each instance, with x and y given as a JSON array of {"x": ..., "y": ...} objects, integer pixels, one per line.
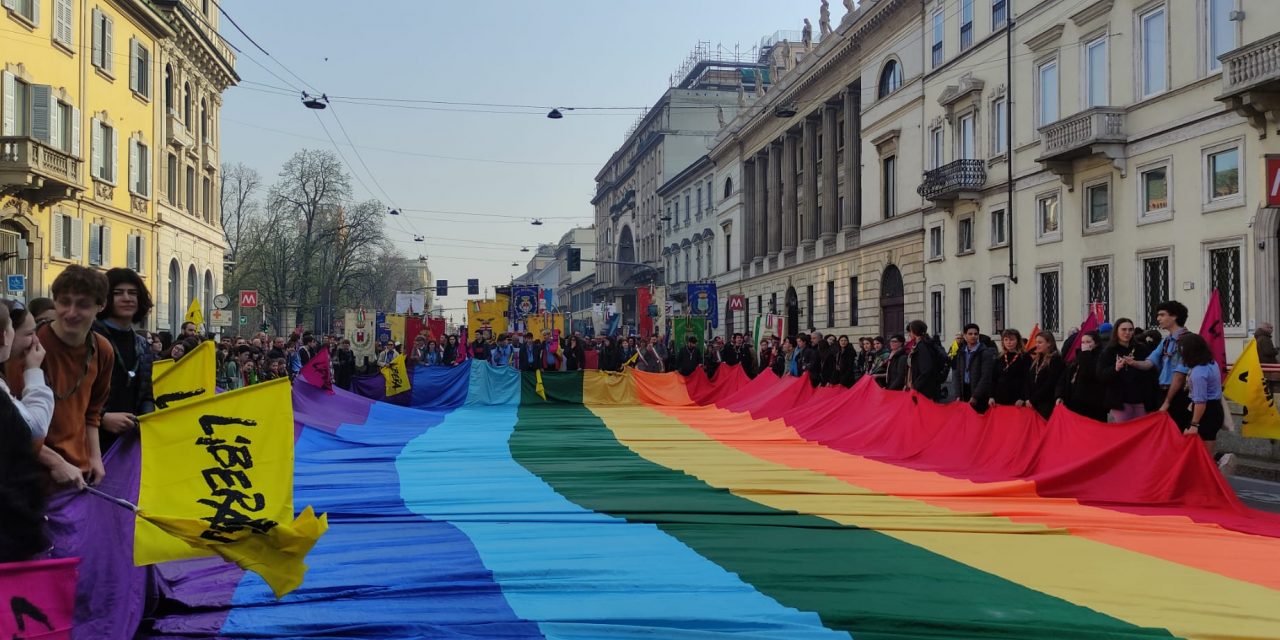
[{"x": 642, "y": 505}]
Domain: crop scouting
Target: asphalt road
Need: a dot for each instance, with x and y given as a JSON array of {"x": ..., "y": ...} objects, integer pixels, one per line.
[{"x": 1258, "y": 494}]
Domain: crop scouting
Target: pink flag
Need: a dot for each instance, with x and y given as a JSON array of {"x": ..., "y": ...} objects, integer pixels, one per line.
[
  {"x": 317, "y": 372},
  {"x": 1212, "y": 332},
  {"x": 39, "y": 598},
  {"x": 1090, "y": 324}
]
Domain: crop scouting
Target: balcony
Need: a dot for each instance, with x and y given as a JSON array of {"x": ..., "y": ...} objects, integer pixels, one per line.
[
  {"x": 209, "y": 156},
  {"x": 176, "y": 133},
  {"x": 959, "y": 180},
  {"x": 36, "y": 172},
  {"x": 1251, "y": 81},
  {"x": 1096, "y": 131}
]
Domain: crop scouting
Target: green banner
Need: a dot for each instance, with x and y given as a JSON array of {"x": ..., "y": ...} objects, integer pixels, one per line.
[{"x": 685, "y": 326}]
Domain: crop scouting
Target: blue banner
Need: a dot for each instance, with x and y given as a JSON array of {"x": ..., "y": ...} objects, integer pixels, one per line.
[
  {"x": 384, "y": 329},
  {"x": 524, "y": 301},
  {"x": 702, "y": 302}
]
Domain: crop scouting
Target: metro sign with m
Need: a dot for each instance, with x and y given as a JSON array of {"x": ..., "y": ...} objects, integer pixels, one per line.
[
  {"x": 248, "y": 299},
  {"x": 1273, "y": 181}
]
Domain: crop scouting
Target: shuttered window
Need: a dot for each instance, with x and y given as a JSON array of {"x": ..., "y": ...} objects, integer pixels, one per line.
[
  {"x": 64, "y": 22},
  {"x": 103, "y": 41},
  {"x": 139, "y": 68}
]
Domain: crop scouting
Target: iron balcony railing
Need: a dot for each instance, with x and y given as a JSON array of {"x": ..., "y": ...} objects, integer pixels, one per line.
[{"x": 949, "y": 180}]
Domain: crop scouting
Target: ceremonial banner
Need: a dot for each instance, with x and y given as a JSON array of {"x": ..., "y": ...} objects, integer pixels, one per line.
[
  {"x": 360, "y": 331},
  {"x": 1213, "y": 334},
  {"x": 194, "y": 314},
  {"x": 217, "y": 478},
  {"x": 660, "y": 327},
  {"x": 685, "y": 327},
  {"x": 435, "y": 329},
  {"x": 412, "y": 328},
  {"x": 396, "y": 323},
  {"x": 524, "y": 301},
  {"x": 766, "y": 325},
  {"x": 703, "y": 302},
  {"x": 1247, "y": 386},
  {"x": 397, "y": 376},
  {"x": 37, "y": 599},
  {"x": 383, "y": 332},
  {"x": 318, "y": 371},
  {"x": 191, "y": 378},
  {"x": 410, "y": 303},
  {"x": 487, "y": 316},
  {"x": 644, "y": 325}
]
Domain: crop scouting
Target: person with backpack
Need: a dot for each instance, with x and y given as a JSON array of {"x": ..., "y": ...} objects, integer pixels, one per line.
[{"x": 926, "y": 362}]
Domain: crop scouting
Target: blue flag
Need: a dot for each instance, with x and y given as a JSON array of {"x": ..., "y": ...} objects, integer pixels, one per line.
[{"x": 702, "y": 302}]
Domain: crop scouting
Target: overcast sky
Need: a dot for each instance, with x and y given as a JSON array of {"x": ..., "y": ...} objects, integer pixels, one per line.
[{"x": 574, "y": 53}]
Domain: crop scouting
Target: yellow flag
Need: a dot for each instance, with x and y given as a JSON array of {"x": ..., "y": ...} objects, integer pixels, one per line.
[
  {"x": 1246, "y": 386},
  {"x": 538, "y": 388},
  {"x": 194, "y": 314},
  {"x": 190, "y": 378},
  {"x": 397, "y": 376},
  {"x": 217, "y": 478}
]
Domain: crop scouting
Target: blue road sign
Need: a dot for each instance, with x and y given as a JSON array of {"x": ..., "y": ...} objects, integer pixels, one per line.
[{"x": 17, "y": 282}]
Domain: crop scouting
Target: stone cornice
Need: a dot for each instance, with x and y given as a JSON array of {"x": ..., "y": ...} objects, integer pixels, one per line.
[
  {"x": 1095, "y": 10},
  {"x": 1045, "y": 38}
]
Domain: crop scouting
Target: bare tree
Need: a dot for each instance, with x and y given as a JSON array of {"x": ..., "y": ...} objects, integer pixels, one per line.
[
  {"x": 312, "y": 185},
  {"x": 240, "y": 185}
]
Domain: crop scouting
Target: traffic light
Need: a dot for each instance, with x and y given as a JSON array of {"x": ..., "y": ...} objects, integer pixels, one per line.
[
  {"x": 264, "y": 326},
  {"x": 473, "y": 286},
  {"x": 442, "y": 288},
  {"x": 575, "y": 259}
]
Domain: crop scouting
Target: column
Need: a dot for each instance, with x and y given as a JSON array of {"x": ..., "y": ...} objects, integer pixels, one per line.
[
  {"x": 775, "y": 199},
  {"x": 808, "y": 232},
  {"x": 852, "y": 157},
  {"x": 746, "y": 228},
  {"x": 829, "y": 177},
  {"x": 789, "y": 201},
  {"x": 762, "y": 211}
]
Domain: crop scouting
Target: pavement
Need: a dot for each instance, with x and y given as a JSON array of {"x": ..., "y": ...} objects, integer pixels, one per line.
[{"x": 1259, "y": 494}]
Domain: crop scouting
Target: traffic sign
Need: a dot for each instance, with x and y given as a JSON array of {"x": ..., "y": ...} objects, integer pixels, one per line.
[
  {"x": 221, "y": 301},
  {"x": 244, "y": 320},
  {"x": 248, "y": 299},
  {"x": 220, "y": 318},
  {"x": 17, "y": 282}
]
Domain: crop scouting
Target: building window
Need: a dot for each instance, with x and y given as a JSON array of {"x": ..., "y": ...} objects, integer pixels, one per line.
[
  {"x": 103, "y": 37},
  {"x": 1098, "y": 286},
  {"x": 935, "y": 243},
  {"x": 937, "y": 311},
  {"x": 1097, "y": 204},
  {"x": 890, "y": 78},
  {"x": 206, "y": 199},
  {"x": 688, "y": 208},
  {"x": 966, "y": 24},
  {"x": 840, "y": 212},
  {"x": 172, "y": 179},
  {"x": 140, "y": 168},
  {"x": 1097, "y": 92},
  {"x": 964, "y": 236},
  {"x": 204, "y": 121},
  {"x": 808, "y": 304},
  {"x": 191, "y": 190},
  {"x": 104, "y": 151},
  {"x": 67, "y": 237},
  {"x": 63, "y": 22},
  {"x": 939, "y": 28},
  {"x": 728, "y": 187},
  {"x": 1047, "y": 218},
  {"x": 168, "y": 89},
  {"x": 889, "y": 184},
  {"x": 1047, "y": 93},
  {"x": 139, "y": 68},
  {"x": 193, "y": 285},
  {"x": 997, "y": 308},
  {"x": 1224, "y": 174},
  {"x": 1155, "y": 190},
  {"x": 853, "y": 301},
  {"x": 1000, "y": 126},
  {"x": 999, "y": 14},
  {"x": 19, "y": 104},
  {"x": 935, "y": 147},
  {"x": 728, "y": 245},
  {"x": 65, "y": 129},
  {"x": 831, "y": 303},
  {"x": 699, "y": 202},
  {"x": 1050, "y": 300},
  {"x": 99, "y": 245},
  {"x": 1153, "y": 68},
  {"x": 966, "y": 134},
  {"x": 26, "y": 9},
  {"x": 186, "y": 105},
  {"x": 135, "y": 255},
  {"x": 1155, "y": 286},
  {"x": 1221, "y": 30},
  {"x": 966, "y": 306},
  {"x": 999, "y": 228},
  {"x": 1225, "y": 277}
]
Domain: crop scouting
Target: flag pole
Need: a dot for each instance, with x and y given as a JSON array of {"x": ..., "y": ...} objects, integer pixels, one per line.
[{"x": 121, "y": 502}]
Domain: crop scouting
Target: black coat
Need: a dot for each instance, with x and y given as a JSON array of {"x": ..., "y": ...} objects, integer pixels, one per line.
[
  {"x": 982, "y": 367},
  {"x": 573, "y": 358},
  {"x": 896, "y": 374},
  {"x": 523, "y": 355},
  {"x": 847, "y": 369},
  {"x": 1042, "y": 385},
  {"x": 924, "y": 363},
  {"x": 1081, "y": 389},
  {"x": 711, "y": 361},
  {"x": 688, "y": 360},
  {"x": 805, "y": 359},
  {"x": 1010, "y": 380}
]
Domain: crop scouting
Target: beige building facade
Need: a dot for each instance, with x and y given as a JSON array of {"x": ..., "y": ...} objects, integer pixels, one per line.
[
  {"x": 1134, "y": 177},
  {"x": 824, "y": 218}
]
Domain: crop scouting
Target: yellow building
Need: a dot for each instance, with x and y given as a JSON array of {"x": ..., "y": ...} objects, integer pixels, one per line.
[{"x": 87, "y": 117}]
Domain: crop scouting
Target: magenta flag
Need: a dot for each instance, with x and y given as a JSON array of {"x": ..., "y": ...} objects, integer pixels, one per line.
[
  {"x": 1090, "y": 324},
  {"x": 39, "y": 597},
  {"x": 1212, "y": 332},
  {"x": 317, "y": 371}
]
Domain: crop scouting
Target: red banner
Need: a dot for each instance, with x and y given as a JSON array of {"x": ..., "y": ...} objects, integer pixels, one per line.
[
  {"x": 1212, "y": 331},
  {"x": 412, "y": 327},
  {"x": 643, "y": 299},
  {"x": 39, "y": 599},
  {"x": 435, "y": 329}
]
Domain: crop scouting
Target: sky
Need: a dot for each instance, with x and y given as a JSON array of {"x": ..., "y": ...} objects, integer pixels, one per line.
[{"x": 427, "y": 159}]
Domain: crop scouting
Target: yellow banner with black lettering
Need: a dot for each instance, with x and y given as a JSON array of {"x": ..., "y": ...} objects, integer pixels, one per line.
[
  {"x": 190, "y": 378},
  {"x": 397, "y": 376},
  {"x": 217, "y": 478},
  {"x": 1247, "y": 386}
]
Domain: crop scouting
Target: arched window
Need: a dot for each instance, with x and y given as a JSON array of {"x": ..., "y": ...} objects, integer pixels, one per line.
[
  {"x": 890, "y": 78},
  {"x": 208, "y": 291},
  {"x": 168, "y": 88},
  {"x": 186, "y": 104},
  {"x": 175, "y": 297},
  {"x": 728, "y": 187},
  {"x": 204, "y": 120},
  {"x": 193, "y": 285}
]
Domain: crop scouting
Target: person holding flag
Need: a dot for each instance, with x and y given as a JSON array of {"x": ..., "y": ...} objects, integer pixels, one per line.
[{"x": 128, "y": 304}]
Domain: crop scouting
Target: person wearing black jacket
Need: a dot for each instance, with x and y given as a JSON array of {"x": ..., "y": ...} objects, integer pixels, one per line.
[
  {"x": 1046, "y": 368},
  {"x": 847, "y": 370},
  {"x": 573, "y": 355},
  {"x": 530, "y": 353},
  {"x": 344, "y": 365},
  {"x": 740, "y": 352},
  {"x": 973, "y": 370},
  {"x": 784, "y": 356},
  {"x": 1012, "y": 369},
  {"x": 128, "y": 303},
  {"x": 712, "y": 359},
  {"x": 1127, "y": 388},
  {"x": 895, "y": 375},
  {"x": 804, "y": 356},
  {"x": 925, "y": 362},
  {"x": 1080, "y": 388},
  {"x": 610, "y": 358},
  {"x": 689, "y": 357}
]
